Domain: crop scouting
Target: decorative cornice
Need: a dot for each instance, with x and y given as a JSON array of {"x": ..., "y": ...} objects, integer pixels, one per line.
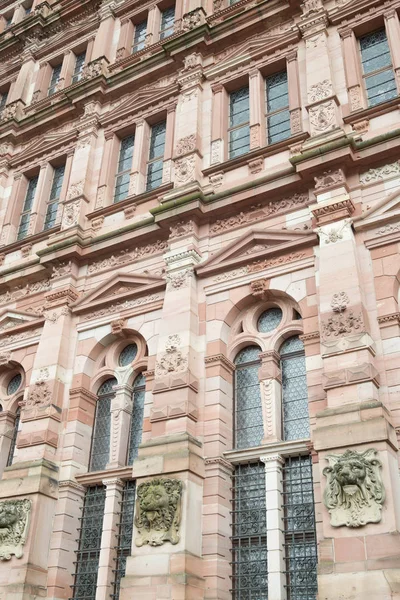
[{"x": 219, "y": 359}]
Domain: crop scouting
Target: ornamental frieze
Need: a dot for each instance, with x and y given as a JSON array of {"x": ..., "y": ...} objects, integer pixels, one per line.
[
  {"x": 126, "y": 256},
  {"x": 380, "y": 173},
  {"x": 14, "y": 524},
  {"x": 121, "y": 306},
  {"x": 26, "y": 290}
]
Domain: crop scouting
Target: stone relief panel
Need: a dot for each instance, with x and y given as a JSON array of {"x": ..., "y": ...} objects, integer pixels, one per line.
[
  {"x": 158, "y": 512},
  {"x": 354, "y": 493},
  {"x": 14, "y": 524},
  {"x": 172, "y": 361}
]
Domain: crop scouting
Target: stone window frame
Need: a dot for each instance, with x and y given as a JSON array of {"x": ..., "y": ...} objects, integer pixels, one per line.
[
  {"x": 358, "y": 104},
  {"x": 258, "y": 132}
]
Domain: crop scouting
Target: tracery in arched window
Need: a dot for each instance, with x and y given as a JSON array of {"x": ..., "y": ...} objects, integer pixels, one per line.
[
  {"x": 102, "y": 424},
  {"x": 139, "y": 391},
  {"x": 294, "y": 390}
]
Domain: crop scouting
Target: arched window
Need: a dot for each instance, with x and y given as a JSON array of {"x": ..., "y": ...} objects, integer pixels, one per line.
[
  {"x": 101, "y": 432},
  {"x": 14, "y": 439},
  {"x": 137, "y": 417},
  {"x": 294, "y": 390},
  {"x": 249, "y": 430}
]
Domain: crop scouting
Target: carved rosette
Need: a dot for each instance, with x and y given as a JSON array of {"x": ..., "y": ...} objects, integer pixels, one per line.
[
  {"x": 158, "y": 512},
  {"x": 354, "y": 492},
  {"x": 14, "y": 524}
]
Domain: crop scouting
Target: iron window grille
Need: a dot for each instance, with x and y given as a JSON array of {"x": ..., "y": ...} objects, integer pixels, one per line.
[
  {"x": 88, "y": 553},
  {"x": 249, "y": 430},
  {"x": 55, "y": 192},
  {"x": 239, "y": 122},
  {"x": 277, "y": 107},
  {"x": 300, "y": 535},
  {"x": 295, "y": 416},
  {"x": 249, "y": 533},
  {"x": 55, "y": 78},
  {"x": 100, "y": 452},
  {"x": 139, "y": 38},
  {"x": 125, "y": 534},
  {"x": 156, "y": 156},
  {"x": 377, "y": 67},
  {"x": 269, "y": 320},
  {"x": 122, "y": 177},
  {"x": 26, "y": 211},
  {"x": 14, "y": 384},
  {"x": 11, "y": 452},
  {"x": 135, "y": 438},
  {"x": 167, "y": 22},
  {"x": 78, "y": 68}
]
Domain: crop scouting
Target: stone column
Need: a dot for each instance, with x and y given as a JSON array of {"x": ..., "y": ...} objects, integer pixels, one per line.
[
  {"x": 218, "y": 124},
  {"x": 121, "y": 411},
  {"x": 169, "y": 143},
  {"x": 65, "y": 185},
  {"x": 107, "y": 174},
  {"x": 125, "y": 39},
  {"x": 292, "y": 67},
  {"x": 7, "y": 421},
  {"x": 42, "y": 194},
  {"x": 275, "y": 526},
  {"x": 271, "y": 396},
  {"x": 137, "y": 181},
  {"x": 13, "y": 211},
  {"x": 257, "y": 112},
  {"x": 104, "y": 36},
  {"x": 109, "y": 538},
  {"x": 42, "y": 82},
  {"x": 352, "y": 67},
  {"x": 393, "y": 32}
]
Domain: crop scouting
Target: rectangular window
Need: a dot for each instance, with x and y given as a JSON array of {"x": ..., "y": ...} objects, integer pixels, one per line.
[
  {"x": 249, "y": 533},
  {"x": 8, "y": 21},
  {"x": 124, "y": 168},
  {"x": 139, "y": 38},
  {"x": 300, "y": 535},
  {"x": 239, "y": 122},
  {"x": 78, "y": 68},
  {"x": 54, "y": 198},
  {"x": 277, "y": 107},
  {"x": 125, "y": 534},
  {"x": 26, "y": 211},
  {"x": 88, "y": 554},
  {"x": 377, "y": 67},
  {"x": 167, "y": 22},
  {"x": 3, "y": 100},
  {"x": 156, "y": 156},
  {"x": 55, "y": 78}
]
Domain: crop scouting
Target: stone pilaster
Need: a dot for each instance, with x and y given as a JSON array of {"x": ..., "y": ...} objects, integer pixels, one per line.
[
  {"x": 112, "y": 511},
  {"x": 121, "y": 411}
]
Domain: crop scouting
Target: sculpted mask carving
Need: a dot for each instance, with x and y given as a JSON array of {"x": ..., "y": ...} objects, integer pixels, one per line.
[
  {"x": 354, "y": 494},
  {"x": 158, "y": 512},
  {"x": 14, "y": 523}
]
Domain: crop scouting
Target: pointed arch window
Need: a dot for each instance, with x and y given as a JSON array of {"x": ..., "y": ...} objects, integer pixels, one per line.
[
  {"x": 14, "y": 438},
  {"x": 294, "y": 390},
  {"x": 249, "y": 430},
  {"x": 102, "y": 424},
  {"x": 135, "y": 439}
]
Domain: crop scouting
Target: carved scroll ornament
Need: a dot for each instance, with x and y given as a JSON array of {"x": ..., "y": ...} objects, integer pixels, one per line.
[
  {"x": 158, "y": 512},
  {"x": 354, "y": 493},
  {"x": 14, "y": 523}
]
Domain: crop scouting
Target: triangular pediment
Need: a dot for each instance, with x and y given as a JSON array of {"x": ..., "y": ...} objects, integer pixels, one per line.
[
  {"x": 9, "y": 319},
  {"x": 45, "y": 143},
  {"x": 384, "y": 211},
  {"x": 119, "y": 287},
  {"x": 254, "y": 245}
]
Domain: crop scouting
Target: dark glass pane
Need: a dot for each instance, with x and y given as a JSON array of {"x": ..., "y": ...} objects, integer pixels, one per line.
[
  {"x": 292, "y": 344},
  {"x": 126, "y": 153},
  {"x": 14, "y": 384},
  {"x": 249, "y": 430},
  {"x": 13, "y": 439},
  {"x": 300, "y": 536},
  {"x": 277, "y": 91},
  {"x": 294, "y": 390},
  {"x": 375, "y": 52},
  {"x": 57, "y": 182},
  {"x": 121, "y": 187},
  {"x": 135, "y": 439},
  {"x": 269, "y": 320},
  {"x": 139, "y": 38},
  {"x": 79, "y": 64},
  {"x": 239, "y": 107},
  {"x": 157, "y": 140},
  {"x": 167, "y": 22},
  {"x": 128, "y": 355},
  {"x": 30, "y": 193},
  {"x": 125, "y": 533},
  {"x": 278, "y": 126},
  {"x": 381, "y": 87},
  {"x": 154, "y": 175},
  {"x": 55, "y": 76},
  {"x": 239, "y": 141},
  {"x": 101, "y": 431},
  {"x": 3, "y": 100},
  {"x": 248, "y": 354},
  {"x": 51, "y": 215},
  {"x": 249, "y": 533}
]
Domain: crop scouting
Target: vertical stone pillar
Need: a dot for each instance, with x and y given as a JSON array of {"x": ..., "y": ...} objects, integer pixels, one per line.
[
  {"x": 393, "y": 32},
  {"x": 169, "y": 143},
  {"x": 42, "y": 194},
  {"x": 153, "y": 24},
  {"x": 109, "y": 538},
  {"x": 125, "y": 39},
  {"x": 104, "y": 36},
  {"x": 275, "y": 526},
  {"x": 353, "y": 70},
  {"x": 14, "y": 207},
  {"x": 19, "y": 93},
  {"x": 7, "y": 421},
  {"x": 218, "y": 124},
  {"x": 65, "y": 185},
  {"x": 257, "y": 116},
  {"x": 271, "y": 396},
  {"x": 292, "y": 67},
  {"x": 121, "y": 411},
  {"x": 137, "y": 179},
  {"x": 106, "y": 179},
  {"x": 42, "y": 82}
]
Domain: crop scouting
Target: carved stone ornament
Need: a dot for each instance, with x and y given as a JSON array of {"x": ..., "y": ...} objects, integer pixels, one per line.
[
  {"x": 329, "y": 179},
  {"x": 158, "y": 512},
  {"x": 322, "y": 116},
  {"x": 320, "y": 91},
  {"x": 342, "y": 324},
  {"x": 40, "y": 395},
  {"x": 354, "y": 493},
  {"x": 185, "y": 169},
  {"x": 185, "y": 145},
  {"x": 14, "y": 524},
  {"x": 379, "y": 173},
  {"x": 339, "y": 302},
  {"x": 172, "y": 361}
]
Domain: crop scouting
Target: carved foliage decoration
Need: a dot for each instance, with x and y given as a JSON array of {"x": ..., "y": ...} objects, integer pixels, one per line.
[
  {"x": 342, "y": 324},
  {"x": 185, "y": 169},
  {"x": 320, "y": 91},
  {"x": 172, "y": 361},
  {"x": 354, "y": 493},
  {"x": 14, "y": 523},
  {"x": 322, "y": 116},
  {"x": 339, "y": 302},
  {"x": 39, "y": 396},
  {"x": 380, "y": 173},
  {"x": 158, "y": 512}
]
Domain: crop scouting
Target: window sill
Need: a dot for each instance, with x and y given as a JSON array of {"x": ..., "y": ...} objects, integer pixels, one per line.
[
  {"x": 263, "y": 152},
  {"x": 372, "y": 111},
  {"x": 294, "y": 448},
  {"x": 29, "y": 240},
  {"x": 96, "y": 477}
]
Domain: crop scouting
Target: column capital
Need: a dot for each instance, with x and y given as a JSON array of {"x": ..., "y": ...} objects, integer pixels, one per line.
[
  {"x": 113, "y": 483},
  {"x": 273, "y": 459}
]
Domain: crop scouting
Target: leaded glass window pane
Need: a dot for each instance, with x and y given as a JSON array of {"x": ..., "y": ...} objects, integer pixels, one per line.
[
  {"x": 135, "y": 439},
  {"x": 294, "y": 390},
  {"x": 167, "y": 22},
  {"x": 125, "y": 533},
  {"x": 249, "y": 430},
  {"x": 277, "y": 107},
  {"x": 269, "y": 320},
  {"x": 156, "y": 156},
  {"x": 14, "y": 384},
  {"x": 14, "y": 439},
  {"x": 300, "y": 535},
  {"x": 102, "y": 424},
  {"x": 128, "y": 355},
  {"x": 377, "y": 67},
  {"x": 124, "y": 168},
  {"x": 3, "y": 100},
  {"x": 139, "y": 38},
  {"x": 79, "y": 64},
  {"x": 249, "y": 533},
  {"x": 239, "y": 122},
  {"x": 88, "y": 554},
  {"x": 26, "y": 211},
  {"x": 55, "y": 78},
  {"x": 55, "y": 192}
]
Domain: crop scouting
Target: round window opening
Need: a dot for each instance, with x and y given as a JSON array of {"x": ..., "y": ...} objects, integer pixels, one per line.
[
  {"x": 128, "y": 355},
  {"x": 14, "y": 384},
  {"x": 269, "y": 320}
]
